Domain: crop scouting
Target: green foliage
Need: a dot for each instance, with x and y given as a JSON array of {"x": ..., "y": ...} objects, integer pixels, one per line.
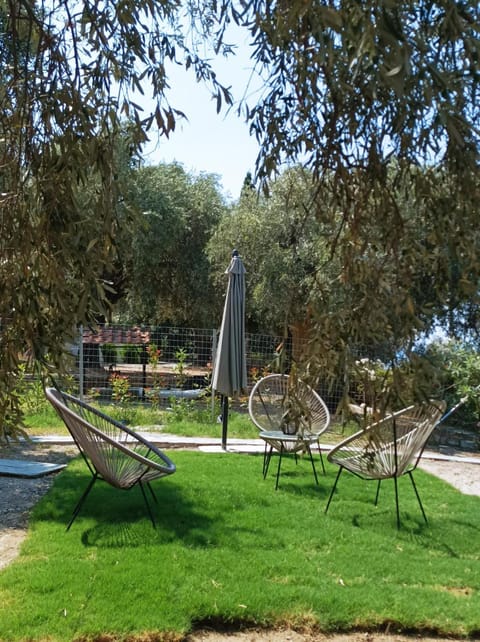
[
  {"x": 109, "y": 353},
  {"x": 132, "y": 354},
  {"x": 181, "y": 356},
  {"x": 123, "y": 409},
  {"x": 120, "y": 388},
  {"x": 234, "y": 551},
  {"x": 283, "y": 247},
  {"x": 369, "y": 382},
  {"x": 379, "y": 100},
  {"x": 153, "y": 354},
  {"x": 30, "y": 390},
  {"x": 44, "y": 421},
  {"x": 11, "y": 418},
  {"x": 183, "y": 417},
  {"x": 187, "y": 411},
  {"x": 349, "y": 85},
  {"x": 69, "y": 77},
  {"x": 167, "y": 273},
  {"x": 391, "y": 139},
  {"x": 28, "y": 403},
  {"x": 459, "y": 364}
]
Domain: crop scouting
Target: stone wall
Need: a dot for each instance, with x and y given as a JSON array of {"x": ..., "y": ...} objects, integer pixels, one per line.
[{"x": 449, "y": 439}]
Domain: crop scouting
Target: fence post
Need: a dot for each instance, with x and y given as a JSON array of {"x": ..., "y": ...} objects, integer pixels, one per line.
[{"x": 81, "y": 369}]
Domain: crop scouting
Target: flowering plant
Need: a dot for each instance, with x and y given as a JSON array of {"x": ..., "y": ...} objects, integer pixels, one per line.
[{"x": 120, "y": 388}]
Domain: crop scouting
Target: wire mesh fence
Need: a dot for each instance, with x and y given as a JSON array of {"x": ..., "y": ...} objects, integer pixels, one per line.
[
  {"x": 162, "y": 365},
  {"x": 178, "y": 360},
  {"x": 165, "y": 359},
  {"x": 155, "y": 364},
  {"x": 152, "y": 364}
]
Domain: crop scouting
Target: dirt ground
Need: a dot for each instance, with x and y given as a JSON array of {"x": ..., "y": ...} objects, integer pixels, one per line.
[
  {"x": 18, "y": 496},
  {"x": 287, "y": 635}
]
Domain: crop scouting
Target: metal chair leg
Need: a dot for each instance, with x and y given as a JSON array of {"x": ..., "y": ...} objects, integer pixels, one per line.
[
  {"x": 266, "y": 461},
  {"x": 321, "y": 456},
  {"x": 418, "y": 496},
  {"x": 397, "y": 505},
  {"x": 81, "y": 501},
  {"x": 152, "y": 492},
  {"x": 152, "y": 519},
  {"x": 264, "y": 458},
  {"x": 279, "y": 466},
  {"x": 333, "y": 488},
  {"x": 396, "y": 501},
  {"x": 309, "y": 450}
]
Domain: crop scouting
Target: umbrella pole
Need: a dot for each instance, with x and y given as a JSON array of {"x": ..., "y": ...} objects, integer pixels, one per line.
[{"x": 224, "y": 421}]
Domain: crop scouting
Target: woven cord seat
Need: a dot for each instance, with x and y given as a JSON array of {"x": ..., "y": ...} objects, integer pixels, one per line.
[
  {"x": 112, "y": 452},
  {"x": 388, "y": 448},
  {"x": 269, "y": 409}
]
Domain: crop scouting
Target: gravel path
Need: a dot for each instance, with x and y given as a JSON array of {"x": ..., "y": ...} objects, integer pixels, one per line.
[
  {"x": 18, "y": 495},
  {"x": 462, "y": 475}
]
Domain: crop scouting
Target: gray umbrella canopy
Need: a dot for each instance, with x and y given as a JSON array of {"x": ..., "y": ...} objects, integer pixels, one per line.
[{"x": 229, "y": 376}]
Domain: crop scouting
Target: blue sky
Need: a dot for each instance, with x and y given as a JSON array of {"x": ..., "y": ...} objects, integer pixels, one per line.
[{"x": 209, "y": 142}]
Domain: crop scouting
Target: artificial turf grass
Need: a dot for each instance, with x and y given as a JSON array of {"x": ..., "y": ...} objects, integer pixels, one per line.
[{"x": 230, "y": 548}]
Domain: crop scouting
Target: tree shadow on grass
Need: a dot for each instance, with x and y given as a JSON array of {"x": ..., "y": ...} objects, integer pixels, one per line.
[
  {"x": 453, "y": 525},
  {"x": 298, "y": 487},
  {"x": 121, "y": 516},
  {"x": 185, "y": 510},
  {"x": 297, "y": 477}
]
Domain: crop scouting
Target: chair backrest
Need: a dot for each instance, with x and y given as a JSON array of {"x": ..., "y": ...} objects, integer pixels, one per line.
[
  {"x": 272, "y": 401},
  {"x": 120, "y": 455},
  {"x": 392, "y": 446}
]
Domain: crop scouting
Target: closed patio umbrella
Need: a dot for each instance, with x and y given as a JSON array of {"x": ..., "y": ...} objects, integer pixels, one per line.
[{"x": 229, "y": 376}]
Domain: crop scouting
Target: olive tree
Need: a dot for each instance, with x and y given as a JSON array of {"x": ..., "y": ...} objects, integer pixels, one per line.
[
  {"x": 283, "y": 249},
  {"x": 70, "y": 77},
  {"x": 348, "y": 87},
  {"x": 166, "y": 272},
  {"x": 297, "y": 285},
  {"x": 378, "y": 99}
]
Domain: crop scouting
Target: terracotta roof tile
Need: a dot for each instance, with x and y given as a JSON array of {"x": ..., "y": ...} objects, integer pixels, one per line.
[{"x": 134, "y": 335}]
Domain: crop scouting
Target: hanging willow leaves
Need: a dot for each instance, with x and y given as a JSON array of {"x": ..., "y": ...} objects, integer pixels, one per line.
[
  {"x": 380, "y": 100},
  {"x": 68, "y": 72},
  {"x": 376, "y": 98}
]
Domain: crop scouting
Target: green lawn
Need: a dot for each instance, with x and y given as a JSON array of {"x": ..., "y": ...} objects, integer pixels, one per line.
[
  {"x": 187, "y": 420},
  {"x": 231, "y": 550}
]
